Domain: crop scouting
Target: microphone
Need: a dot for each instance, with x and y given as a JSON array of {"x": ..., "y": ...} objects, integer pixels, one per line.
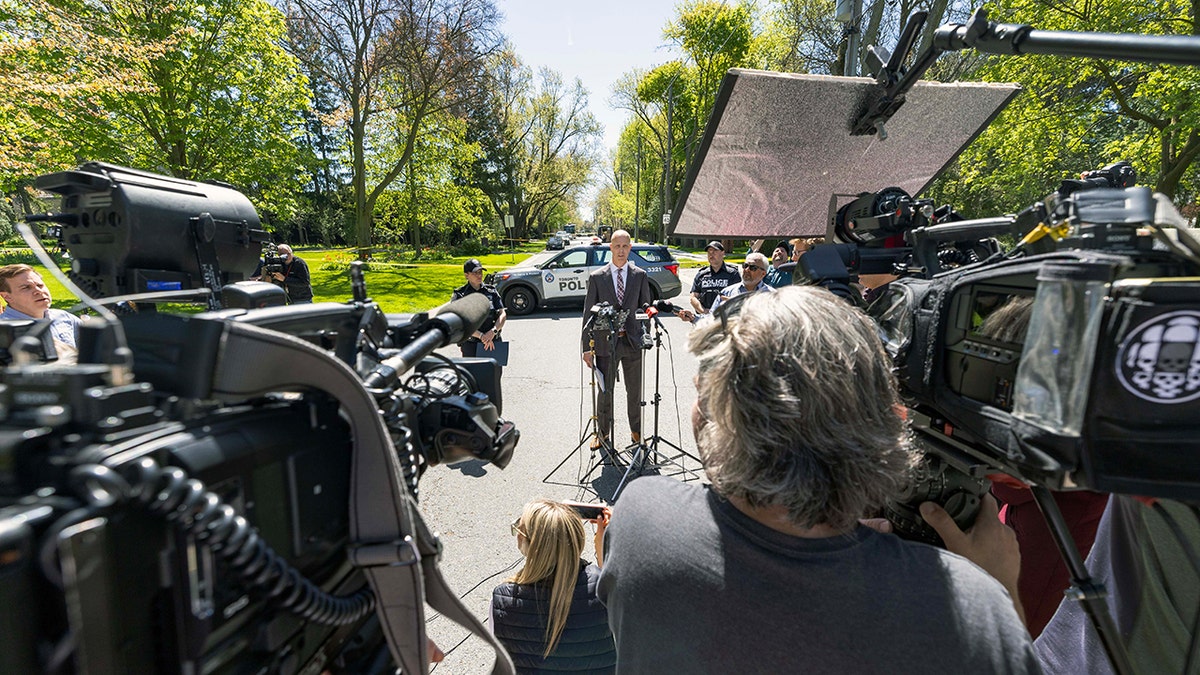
[
  {"x": 595, "y": 312},
  {"x": 664, "y": 306},
  {"x": 452, "y": 323}
]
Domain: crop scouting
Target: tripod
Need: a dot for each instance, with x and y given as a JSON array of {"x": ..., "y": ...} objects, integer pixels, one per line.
[
  {"x": 647, "y": 453},
  {"x": 599, "y": 440}
]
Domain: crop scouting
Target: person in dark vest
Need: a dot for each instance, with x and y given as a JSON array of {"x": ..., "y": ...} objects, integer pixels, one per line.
[
  {"x": 482, "y": 340},
  {"x": 547, "y": 615}
]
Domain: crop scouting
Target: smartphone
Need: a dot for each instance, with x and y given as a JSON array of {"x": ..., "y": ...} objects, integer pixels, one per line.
[{"x": 586, "y": 511}]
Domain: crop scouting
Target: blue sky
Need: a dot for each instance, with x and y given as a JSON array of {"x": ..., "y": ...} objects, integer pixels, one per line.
[{"x": 594, "y": 41}]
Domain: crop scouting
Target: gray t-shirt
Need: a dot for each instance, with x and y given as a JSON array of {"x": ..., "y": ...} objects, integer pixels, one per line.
[{"x": 693, "y": 585}]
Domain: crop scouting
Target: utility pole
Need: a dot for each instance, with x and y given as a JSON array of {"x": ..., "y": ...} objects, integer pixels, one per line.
[
  {"x": 637, "y": 200},
  {"x": 849, "y": 12},
  {"x": 667, "y": 201}
]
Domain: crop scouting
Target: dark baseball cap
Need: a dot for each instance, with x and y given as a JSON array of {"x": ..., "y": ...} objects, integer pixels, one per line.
[
  {"x": 472, "y": 265},
  {"x": 715, "y": 244},
  {"x": 783, "y": 245}
]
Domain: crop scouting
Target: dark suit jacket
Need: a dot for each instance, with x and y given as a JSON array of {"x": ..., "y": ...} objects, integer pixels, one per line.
[{"x": 601, "y": 289}]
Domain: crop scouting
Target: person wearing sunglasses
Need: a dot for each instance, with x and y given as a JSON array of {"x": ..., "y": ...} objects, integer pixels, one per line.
[
  {"x": 547, "y": 615},
  {"x": 754, "y": 273},
  {"x": 769, "y": 568}
]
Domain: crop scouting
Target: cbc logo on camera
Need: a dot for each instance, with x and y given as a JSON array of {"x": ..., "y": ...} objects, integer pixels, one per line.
[{"x": 1160, "y": 360}]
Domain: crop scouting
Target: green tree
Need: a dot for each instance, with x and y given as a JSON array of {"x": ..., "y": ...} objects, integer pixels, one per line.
[
  {"x": 209, "y": 94},
  {"x": 539, "y": 145},
  {"x": 1080, "y": 114},
  {"x": 403, "y": 59},
  {"x": 674, "y": 100},
  {"x": 57, "y": 60},
  {"x": 434, "y": 201}
]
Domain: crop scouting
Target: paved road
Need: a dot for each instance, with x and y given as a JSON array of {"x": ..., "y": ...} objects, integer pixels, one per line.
[{"x": 546, "y": 395}]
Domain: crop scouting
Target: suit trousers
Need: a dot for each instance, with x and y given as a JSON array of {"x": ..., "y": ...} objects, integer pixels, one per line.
[{"x": 630, "y": 360}]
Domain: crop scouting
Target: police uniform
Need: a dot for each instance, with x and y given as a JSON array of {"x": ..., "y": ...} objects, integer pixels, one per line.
[
  {"x": 470, "y": 346},
  {"x": 708, "y": 284}
]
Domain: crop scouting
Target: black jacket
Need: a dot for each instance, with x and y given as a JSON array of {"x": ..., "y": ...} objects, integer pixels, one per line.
[{"x": 519, "y": 615}]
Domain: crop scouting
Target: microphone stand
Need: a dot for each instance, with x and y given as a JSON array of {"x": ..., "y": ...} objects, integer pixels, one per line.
[
  {"x": 592, "y": 435},
  {"x": 647, "y": 452}
]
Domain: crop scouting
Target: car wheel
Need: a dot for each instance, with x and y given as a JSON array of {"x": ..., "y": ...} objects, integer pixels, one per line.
[
  {"x": 520, "y": 301},
  {"x": 655, "y": 294}
]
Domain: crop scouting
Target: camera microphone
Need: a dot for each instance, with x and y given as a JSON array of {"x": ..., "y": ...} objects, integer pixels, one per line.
[{"x": 453, "y": 322}]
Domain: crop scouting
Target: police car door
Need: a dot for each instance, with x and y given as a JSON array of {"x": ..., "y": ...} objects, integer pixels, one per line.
[{"x": 566, "y": 275}]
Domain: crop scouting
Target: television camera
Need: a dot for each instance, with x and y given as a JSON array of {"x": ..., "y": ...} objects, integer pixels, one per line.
[
  {"x": 231, "y": 491},
  {"x": 273, "y": 262},
  {"x": 1040, "y": 361},
  {"x": 1064, "y": 368}
]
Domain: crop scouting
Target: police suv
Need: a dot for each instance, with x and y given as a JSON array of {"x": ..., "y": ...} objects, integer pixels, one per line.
[{"x": 554, "y": 278}]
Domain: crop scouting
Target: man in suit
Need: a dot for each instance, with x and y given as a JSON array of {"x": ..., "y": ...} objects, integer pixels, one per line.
[{"x": 625, "y": 287}]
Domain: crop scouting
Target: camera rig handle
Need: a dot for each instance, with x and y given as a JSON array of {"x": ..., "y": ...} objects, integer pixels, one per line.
[{"x": 1005, "y": 38}]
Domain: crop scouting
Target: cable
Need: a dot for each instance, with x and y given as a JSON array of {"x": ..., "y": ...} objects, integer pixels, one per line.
[
  {"x": 470, "y": 590},
  {"x": 185, "y": 502},
  {"x": 447, "y": 652},
  {"x": 675, "y": 385}
]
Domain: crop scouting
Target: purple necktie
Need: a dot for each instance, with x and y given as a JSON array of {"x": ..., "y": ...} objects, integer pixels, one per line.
[{"x": 621, "y": 286}]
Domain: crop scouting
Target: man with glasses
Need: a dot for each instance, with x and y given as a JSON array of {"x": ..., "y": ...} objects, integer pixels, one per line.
[
  {"x": 489, "y": 331},
  {"x": 754, "y": 272}
]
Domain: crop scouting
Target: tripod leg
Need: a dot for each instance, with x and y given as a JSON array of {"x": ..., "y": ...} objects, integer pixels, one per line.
[{"x": 636, "y": 462}]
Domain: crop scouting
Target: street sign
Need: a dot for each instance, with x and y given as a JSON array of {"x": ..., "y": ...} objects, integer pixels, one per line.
[
  {"x": 667, "y": 218},
  {"x": 509, "y": 221}
]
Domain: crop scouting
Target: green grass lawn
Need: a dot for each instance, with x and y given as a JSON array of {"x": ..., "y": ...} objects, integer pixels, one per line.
[{"x": 397, "y": 287}]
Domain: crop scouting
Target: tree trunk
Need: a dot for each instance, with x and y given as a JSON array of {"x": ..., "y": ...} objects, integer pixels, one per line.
[
  {"x": 362, "y": 209},
  {"x": 870, "y": 36},
  {"x": 414, "y": 221},
  {"x": 937, "y": 11}
]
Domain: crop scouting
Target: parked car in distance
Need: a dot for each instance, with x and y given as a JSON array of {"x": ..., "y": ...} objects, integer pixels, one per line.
[
  {"x": 555, "y": 243},
  {"x": 551, "y": 278}
]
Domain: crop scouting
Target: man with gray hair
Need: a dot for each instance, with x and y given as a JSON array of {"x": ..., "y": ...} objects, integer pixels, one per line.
[
  {"x": 754, "y": 273},
  {"x": 768, "y": 569}
]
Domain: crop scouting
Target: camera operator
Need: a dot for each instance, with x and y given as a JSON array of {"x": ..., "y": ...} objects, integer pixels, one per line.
[
  {"x": 294, "y": 278},
  {"x": 753, "y": 275},
  {"x": 489, "y": 331},
  {"x": 798, "y": 423},
  {"x": 26, "y": 297},
  {"x": 712, "y": 279}
]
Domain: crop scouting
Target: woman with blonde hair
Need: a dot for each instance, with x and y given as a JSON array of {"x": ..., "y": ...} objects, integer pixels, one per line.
[{"x": 547, "y": 615}]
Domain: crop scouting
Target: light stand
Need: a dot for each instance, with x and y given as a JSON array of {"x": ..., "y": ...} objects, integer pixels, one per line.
[
  {"x": 593, "y": 436},
  {"x": 647, "y": 452}
]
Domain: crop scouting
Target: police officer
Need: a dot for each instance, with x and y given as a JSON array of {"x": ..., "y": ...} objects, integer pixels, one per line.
[
  {"x": 712, "y": 279},
  {"x": 489, "y": 332}
]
